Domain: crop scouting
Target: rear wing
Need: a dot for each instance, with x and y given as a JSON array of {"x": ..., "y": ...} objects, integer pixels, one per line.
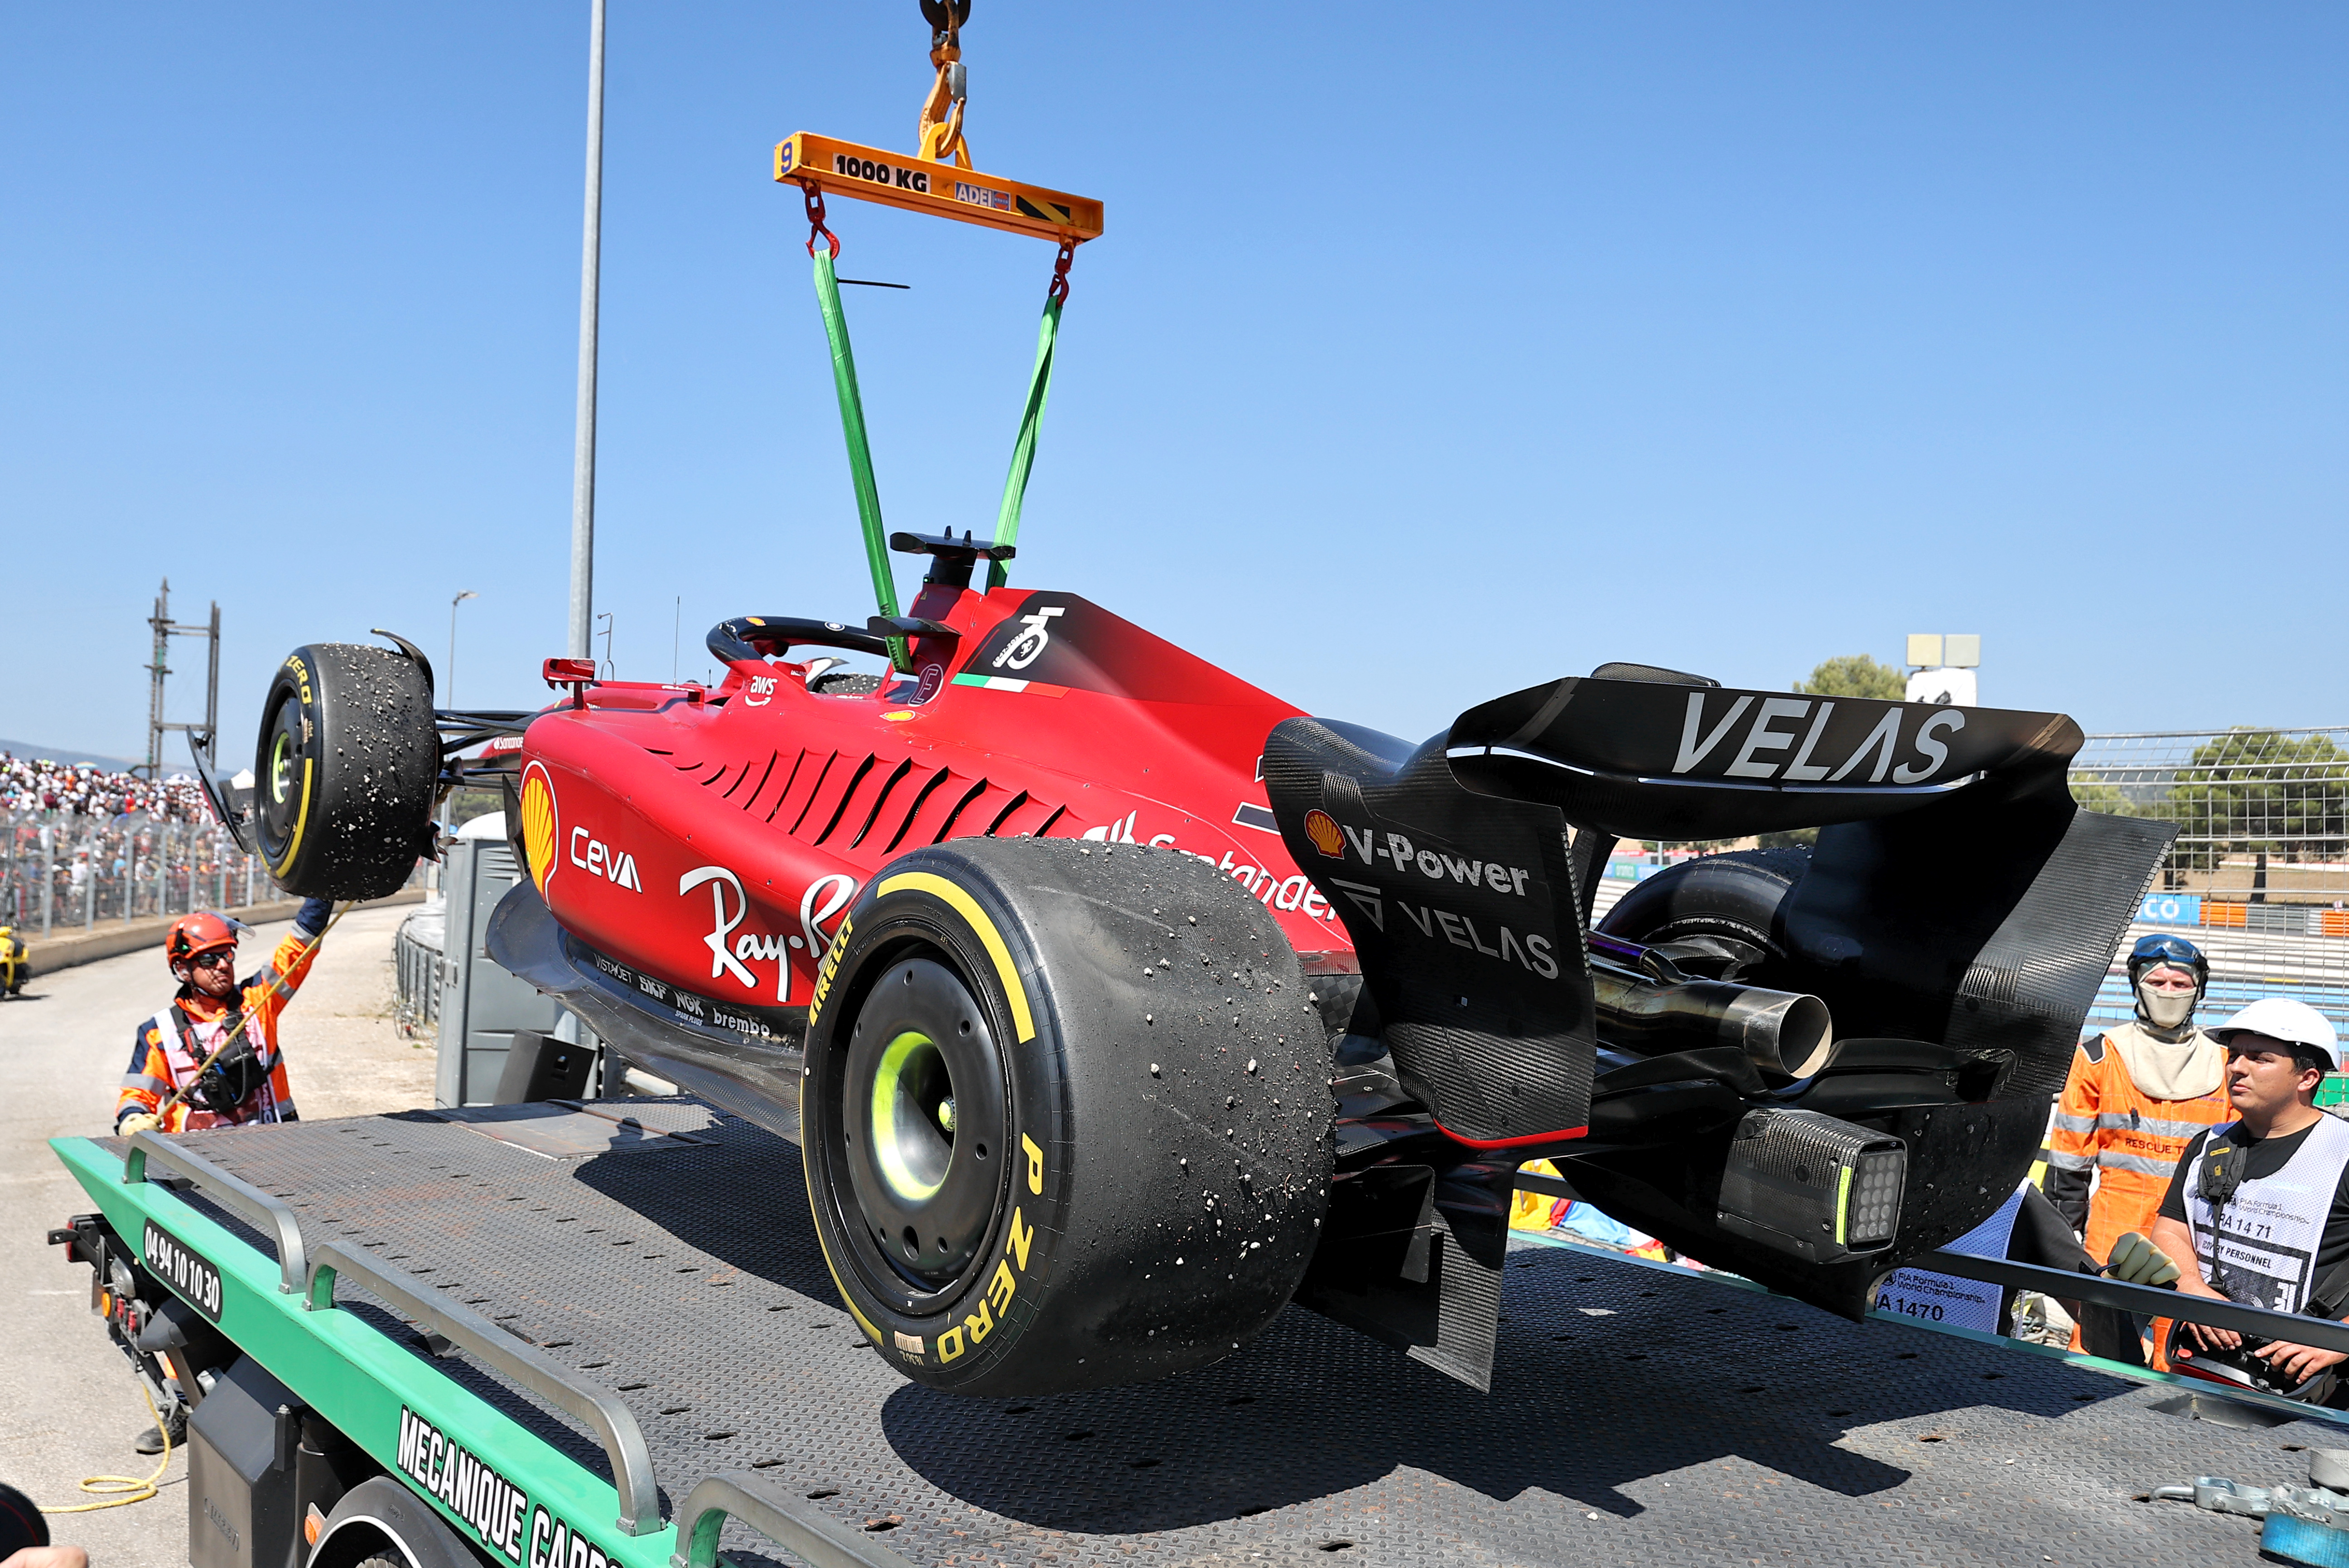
[
  {"x": 1639, "y": 759},
  {"x": 1956, "y": 894}
]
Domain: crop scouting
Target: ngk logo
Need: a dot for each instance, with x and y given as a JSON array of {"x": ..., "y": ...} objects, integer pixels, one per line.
[{"x": 616, "y": 867}]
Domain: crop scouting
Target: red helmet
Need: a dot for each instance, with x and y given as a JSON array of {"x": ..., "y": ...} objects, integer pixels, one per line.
[{"x": 197, "y": 934}]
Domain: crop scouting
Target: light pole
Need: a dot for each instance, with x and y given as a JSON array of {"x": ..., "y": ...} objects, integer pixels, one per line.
[
  {"x": 583, "y": 456},
  {"x": 460, "y": 598}
]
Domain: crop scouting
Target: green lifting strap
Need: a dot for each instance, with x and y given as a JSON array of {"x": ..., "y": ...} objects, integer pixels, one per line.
[
  {"x": 860, "y": 454},
  {"x": 1023, "y": 449}
]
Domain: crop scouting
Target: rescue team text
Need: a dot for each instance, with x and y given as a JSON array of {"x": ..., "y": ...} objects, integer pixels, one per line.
[{"x": 492, "y": 1505}]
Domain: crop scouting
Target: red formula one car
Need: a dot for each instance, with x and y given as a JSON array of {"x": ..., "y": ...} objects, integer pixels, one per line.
[{"x": 1114, "y": 1003}]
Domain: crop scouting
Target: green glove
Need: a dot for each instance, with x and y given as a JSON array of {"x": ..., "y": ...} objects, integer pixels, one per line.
[{"x": 2137, "y": 1262}]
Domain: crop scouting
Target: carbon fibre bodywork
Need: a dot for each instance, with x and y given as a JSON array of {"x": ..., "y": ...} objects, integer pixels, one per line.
[{"x": 1956, "y": 897}]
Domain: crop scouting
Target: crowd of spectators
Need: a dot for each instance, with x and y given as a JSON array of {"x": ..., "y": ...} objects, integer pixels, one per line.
[{"x": 83, "y": 789}]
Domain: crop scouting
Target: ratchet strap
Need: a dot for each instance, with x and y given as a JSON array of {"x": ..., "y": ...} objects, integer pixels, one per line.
[
  {"x": 824, "y": 247},
  {"x": 1032, "y": 415},
  {"x": 852, "y": 419}
]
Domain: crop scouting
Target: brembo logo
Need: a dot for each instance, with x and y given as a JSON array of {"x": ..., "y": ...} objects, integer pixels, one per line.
[
  {"x": 1757, "y": 755},
  {"x": 616, "y": 867}
]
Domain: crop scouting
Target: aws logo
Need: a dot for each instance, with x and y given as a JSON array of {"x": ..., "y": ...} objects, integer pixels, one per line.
[{"x": 539, "y": 823}]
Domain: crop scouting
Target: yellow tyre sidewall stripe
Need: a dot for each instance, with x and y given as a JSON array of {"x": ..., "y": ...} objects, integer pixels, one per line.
[
  {"x": 1023, "y": 1019},
  {"x": 816, "y": 1212},
  {"x": 301, "y": 822}
]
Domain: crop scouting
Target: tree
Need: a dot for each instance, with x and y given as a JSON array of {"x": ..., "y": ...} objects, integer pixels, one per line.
[
  {"x": 1850, "y": 675},
  {"x": 2256, "y": 791},
  {"x": 1855, "y": 675}
]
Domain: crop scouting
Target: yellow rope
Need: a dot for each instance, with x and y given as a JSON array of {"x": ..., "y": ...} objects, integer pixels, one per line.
[{"x": 132, "y": 1489}]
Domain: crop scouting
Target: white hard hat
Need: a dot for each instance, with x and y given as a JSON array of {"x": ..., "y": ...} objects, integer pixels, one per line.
[{"x": 2281, "y": 1018}]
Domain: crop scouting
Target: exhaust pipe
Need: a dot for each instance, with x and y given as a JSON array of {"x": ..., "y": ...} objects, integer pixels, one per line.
[{"x": 1782, "y": 1032}]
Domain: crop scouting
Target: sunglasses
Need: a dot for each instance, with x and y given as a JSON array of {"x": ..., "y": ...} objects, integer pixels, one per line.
[{"x": 219, "y": 958}]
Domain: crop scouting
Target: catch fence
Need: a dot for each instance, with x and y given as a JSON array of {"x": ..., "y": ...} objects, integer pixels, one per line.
[
  {"x": 60, "y": 872},
  {"x": 2263, "y": 819},
  {"x": 2258, "y": 874}
]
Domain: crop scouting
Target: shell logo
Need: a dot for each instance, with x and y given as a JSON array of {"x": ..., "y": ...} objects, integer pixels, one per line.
[
  {"x": 538, "y": 823},
  {"x": 1322, "y": 829}
]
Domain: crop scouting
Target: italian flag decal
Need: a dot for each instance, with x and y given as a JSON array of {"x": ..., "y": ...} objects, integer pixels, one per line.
[{"x": 1006, "y": 683}]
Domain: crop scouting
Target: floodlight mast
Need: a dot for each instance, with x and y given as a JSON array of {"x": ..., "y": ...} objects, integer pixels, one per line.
[{"x": 583, "y": 459}]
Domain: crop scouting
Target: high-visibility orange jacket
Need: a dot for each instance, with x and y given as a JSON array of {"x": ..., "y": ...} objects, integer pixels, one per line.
[
  {"x": 2108, "y": 1127},
  {"x": 169, "y": 1047}
]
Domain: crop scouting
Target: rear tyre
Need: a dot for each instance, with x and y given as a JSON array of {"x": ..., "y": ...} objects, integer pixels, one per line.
[
  {"x": 345, "y": 771},
  {"x": 1066, "y": 1116},
  {"x": 1733, "y": 899}
]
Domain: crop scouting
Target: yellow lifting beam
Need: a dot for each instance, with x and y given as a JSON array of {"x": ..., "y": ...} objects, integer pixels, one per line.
[
  {"x": 897, "y": 180},
  {"x": 939, "y": 179}
]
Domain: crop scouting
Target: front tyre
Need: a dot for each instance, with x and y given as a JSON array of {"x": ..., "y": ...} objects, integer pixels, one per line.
[
  {"x": 345, "y": 772},
  {"x": 1066, "y": 1116}
]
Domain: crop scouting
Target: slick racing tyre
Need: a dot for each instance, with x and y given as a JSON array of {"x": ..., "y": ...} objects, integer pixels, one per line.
[
  {"x": 1734, "y": 899},
  {"x": 1066, "y": 1114},
  {"x": 346, "y": 770}
]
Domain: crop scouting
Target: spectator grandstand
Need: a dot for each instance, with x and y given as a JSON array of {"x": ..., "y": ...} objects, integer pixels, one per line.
[{"x": 30, "y": 784}]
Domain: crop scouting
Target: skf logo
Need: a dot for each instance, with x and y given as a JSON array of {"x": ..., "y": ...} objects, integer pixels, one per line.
[
  {"x": 538, "y": 823},
  {"x": 1323, "y": 830},
  {"x": 616, "y": 867}
]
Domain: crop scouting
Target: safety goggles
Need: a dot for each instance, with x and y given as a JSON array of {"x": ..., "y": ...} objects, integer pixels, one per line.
[
  {"x": 2157, "y": 949},
  {"x": 219, "y": 958}
]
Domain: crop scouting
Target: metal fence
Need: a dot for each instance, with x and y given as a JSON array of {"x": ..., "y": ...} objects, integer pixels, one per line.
[
  {"x": 2263, "y": 819},
  {"x": 416, "y": 953},
  {"x": 60, "y": 872},
  {"x": 2259, "y": 873}
]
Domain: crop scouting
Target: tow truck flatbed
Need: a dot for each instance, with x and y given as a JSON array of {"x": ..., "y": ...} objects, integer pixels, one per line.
[{"x": 658, "y": 1255}]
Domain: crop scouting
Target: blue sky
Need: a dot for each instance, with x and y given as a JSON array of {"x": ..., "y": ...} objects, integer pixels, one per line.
[{"x": 1429, "y": 353}]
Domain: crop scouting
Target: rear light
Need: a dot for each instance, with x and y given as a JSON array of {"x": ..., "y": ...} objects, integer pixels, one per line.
[
  {"x": 1807, "y": 1184},
  {"x": 1874, "y": 1210},
  {"x": 577, "y": 673}
]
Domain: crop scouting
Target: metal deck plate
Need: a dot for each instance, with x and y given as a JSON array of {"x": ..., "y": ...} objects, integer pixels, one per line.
[
  {"x": 558, "y": 1129},
  {"x": 1638, "y": 1416}
]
